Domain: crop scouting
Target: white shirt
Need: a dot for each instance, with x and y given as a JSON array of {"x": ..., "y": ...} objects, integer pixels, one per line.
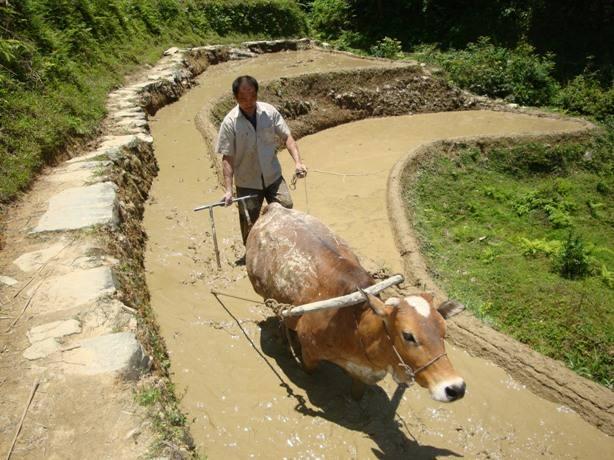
[{"x": 254, "y": 152}]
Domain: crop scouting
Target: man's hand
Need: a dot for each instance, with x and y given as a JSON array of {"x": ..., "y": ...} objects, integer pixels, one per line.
[
  {"x": 301, "y": 170},
  {"x": 227, "y": 199}
]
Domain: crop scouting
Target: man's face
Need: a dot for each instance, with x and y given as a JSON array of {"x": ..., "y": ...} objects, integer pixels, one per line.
[{"x": 247, "y": 97}]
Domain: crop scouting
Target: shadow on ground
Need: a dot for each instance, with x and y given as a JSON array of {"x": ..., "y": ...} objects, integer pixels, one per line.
[{"x": 328, "y": 393}]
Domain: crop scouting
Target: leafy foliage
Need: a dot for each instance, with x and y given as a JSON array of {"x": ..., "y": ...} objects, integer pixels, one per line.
[
  {"x": 518, "y": 75},
  {"x": 585, "y": 95},
  {"x": 329, "y": 18},
  {"x": 387, "y": 48},
  {"x": 587, "y": 27},
  {"x": 574, "y": 258}
]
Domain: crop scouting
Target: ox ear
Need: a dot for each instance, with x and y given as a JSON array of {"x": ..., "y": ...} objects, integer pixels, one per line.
[{"x": 449, "y": 308}]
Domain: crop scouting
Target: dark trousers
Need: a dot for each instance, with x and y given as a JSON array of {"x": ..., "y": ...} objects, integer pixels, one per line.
[{"x": 249, "y": 210}]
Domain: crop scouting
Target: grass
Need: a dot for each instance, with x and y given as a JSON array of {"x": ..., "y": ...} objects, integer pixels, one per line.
[
  {"x": 169, "y": 422},
  {"x": 524, "y": 236}
]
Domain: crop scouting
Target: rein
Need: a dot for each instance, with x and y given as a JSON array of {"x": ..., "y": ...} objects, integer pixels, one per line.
[
  {"x": 409, "y": 371},
  {"x": 295, "y": 178}
]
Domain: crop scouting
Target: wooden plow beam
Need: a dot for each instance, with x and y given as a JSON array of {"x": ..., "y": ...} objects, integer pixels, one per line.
[{"x": 344, "y": 301}]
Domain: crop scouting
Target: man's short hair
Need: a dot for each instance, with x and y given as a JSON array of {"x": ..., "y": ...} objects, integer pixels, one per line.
[{"x": 244, "y": 79}]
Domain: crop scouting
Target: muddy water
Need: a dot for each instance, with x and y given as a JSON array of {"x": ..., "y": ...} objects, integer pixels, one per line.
[{"x": 245, "y": 396}]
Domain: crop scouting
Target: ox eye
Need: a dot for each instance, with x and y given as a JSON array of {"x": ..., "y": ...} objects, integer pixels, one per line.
[{"x": 409, "y": 337}]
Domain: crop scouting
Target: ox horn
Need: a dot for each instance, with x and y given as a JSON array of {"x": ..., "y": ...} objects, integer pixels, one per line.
[{"x": 378, "y": 307}]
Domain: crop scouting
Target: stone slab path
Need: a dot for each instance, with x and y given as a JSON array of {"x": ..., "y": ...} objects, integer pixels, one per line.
[{"x": 62, "y": 323}]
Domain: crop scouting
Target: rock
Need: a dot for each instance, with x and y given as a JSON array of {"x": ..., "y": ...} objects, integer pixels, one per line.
[
  {"x": 34, "y": 260},
  {"x": 81, "y": 207},
  {"x": 55, "y": 329},
  {"x": 75, "y": 178},
  {"x": 132, "y": 122},
  {"x": 96, "y": 155},
  {"x": 41, "y": 349},
  {"x": 128, "y": 142},
  {"x": 134, "y": 433},
  {"x": 239, "y": 53},
  {"x": 79, "y": 172},
  {"x": 134, "y": 113},
  {"x": 8, "y": 280},
  {"x": 171, "y": 51},
  {"x": 112, "y": 353},
  {"x": 73, "y": 290},
  {"x": 106, "y": 316}
]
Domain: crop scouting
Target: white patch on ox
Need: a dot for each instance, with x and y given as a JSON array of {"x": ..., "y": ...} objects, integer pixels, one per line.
[
  {"x": 295, "y": 270},
  {"x": 364, "y": 373},
  {"x": 419, "y": 304}
]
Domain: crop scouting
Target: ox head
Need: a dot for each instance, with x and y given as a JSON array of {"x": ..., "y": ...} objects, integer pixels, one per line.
[{"x": 417, "y": 330}]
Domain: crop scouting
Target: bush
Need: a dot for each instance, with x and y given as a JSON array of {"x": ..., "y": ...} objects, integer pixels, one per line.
[
  {"x": 275, "y": 18},
  {"x": 535, "y": 247},
  {"x": 574, "y": 259},
  {"x": 517, "y": 75},
  {"x": 387, "y": 48},
  {"x": 585, "y": 95},
  {"x": 330, "y": 17}
]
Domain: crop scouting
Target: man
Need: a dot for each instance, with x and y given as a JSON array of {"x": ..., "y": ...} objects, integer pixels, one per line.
[{"x": 248, "y": 142}]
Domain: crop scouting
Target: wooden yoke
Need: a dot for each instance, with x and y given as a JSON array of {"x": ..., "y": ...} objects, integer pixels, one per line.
[{"x": 343, "y": 301}]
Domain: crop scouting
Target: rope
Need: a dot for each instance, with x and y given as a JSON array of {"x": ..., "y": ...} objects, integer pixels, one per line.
[
  {"x": 301, "y": 402},
  {"x": 334, "y": 173},
  {"x": 293, "y": 182},
  {"x": 278, "y": 308},
  {"x": 295, "y": 179},
  {"x": 411, "y": 373}
]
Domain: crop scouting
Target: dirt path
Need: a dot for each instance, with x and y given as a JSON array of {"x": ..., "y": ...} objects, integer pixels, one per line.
[{"x": 245, "y": 395}]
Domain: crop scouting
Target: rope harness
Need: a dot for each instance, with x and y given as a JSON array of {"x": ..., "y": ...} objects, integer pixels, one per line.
[
  {"x": 278, "y": 308},
  {"x": 296, "y": 177},
  {"x": 293, "y": 182}
]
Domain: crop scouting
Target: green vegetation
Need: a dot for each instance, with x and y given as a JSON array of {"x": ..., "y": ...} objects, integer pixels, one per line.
[
  {"x": 573, "y": 31},
  {"x": 517, "y": 74},
  {"x": 387, "y": 48},
  {"x": 60, "y": 58},
  {"x": 524, "y": 236},
  {"x": 586, "y": 96},
  {"x": 168, "y": 420},
  {"x": 511, "y": 49}
]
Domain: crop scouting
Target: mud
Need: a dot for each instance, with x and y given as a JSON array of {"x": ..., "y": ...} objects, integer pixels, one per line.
[{"x": 246, "y": 397}]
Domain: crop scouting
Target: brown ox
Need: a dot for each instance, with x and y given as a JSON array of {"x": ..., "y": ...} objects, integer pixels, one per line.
[{"x": 295, "y": 259}]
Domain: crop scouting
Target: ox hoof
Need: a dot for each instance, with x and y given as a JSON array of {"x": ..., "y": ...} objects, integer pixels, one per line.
[{"x": 358, "y": 389}]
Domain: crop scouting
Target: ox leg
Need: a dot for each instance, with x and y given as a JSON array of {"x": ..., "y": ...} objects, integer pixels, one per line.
[{"x": 358, "y": 389}]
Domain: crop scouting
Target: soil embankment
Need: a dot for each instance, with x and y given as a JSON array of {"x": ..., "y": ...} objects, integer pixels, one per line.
[{"x": 245, "y": 395}]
